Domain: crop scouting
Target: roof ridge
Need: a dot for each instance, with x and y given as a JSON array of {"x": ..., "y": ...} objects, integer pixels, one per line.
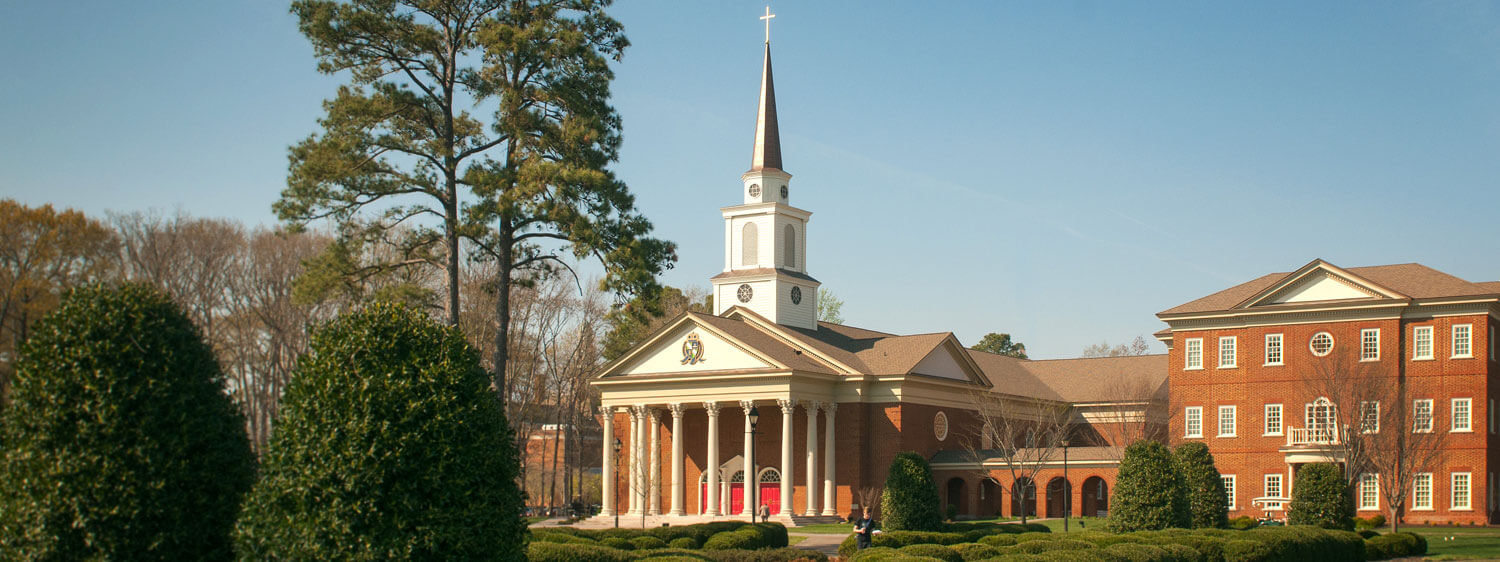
[{"x": 1090, "y": 358}]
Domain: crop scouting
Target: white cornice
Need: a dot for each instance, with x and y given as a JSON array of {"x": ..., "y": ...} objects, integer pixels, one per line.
[{"x": 765, "y": 208}]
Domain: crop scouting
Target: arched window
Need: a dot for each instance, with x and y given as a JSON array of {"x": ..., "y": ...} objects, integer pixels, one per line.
[
  {"x": 769, "y": 475},
  {"x": 1320, "y": 418},
  {"x": 738, "y": 477},
  {"x": 749, "y": 245},
  {"x": 790, "y": 246}
]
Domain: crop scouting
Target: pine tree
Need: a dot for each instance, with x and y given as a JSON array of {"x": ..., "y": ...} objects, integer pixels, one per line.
[
  {"x": 910, "y": 499},
  {"x": 391, "y": 445},
  {"x": 1208, "y": 504},
  {"x": 120, "y": 443},
  {"x": 1149, "y": 494},
  {"x": 1321, "y": 496}
]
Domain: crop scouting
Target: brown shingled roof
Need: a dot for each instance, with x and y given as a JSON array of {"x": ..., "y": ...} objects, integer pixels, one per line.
[
  {"x": 1008, "y": 375},
  {"x": 875, "y": 353},
  {"x": 762, "y": 342},
  {"x": 1104, "y": 379},
  {"x": 1413, "y": 280}
]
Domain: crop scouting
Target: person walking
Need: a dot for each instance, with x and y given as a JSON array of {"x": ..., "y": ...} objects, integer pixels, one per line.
[{"x": 864, "y": 529}]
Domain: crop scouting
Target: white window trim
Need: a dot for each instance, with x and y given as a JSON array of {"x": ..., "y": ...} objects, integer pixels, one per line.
[
  {"x": 1186, "y": 354},
  {"x": 1265, "y": 484},
  {"x": 1375, "y": 403},
  {"x": 1453, "y": 492},
  {"x": 1233, "y": 485},
  {"x": 1185, "y": 417},
  {"x": 1416, "y": 478},
  {"x": 1280, "y": 420},
  {"x": 1280, "y": 350},
  {"x": 1431, "y": 353},
  {"x": 1233, "y": 416},
  {"x": 1453, "y": 341},
  {"x": 1360, "y": 501},
  {"x": 1431, "y": 415},
  {"x": 1453, "y": 416},
  {"x": 1234, "y": 356},
  {"x": 1362, "y": 344}
]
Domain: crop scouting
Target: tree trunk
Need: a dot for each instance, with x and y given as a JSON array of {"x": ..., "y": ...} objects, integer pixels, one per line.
[{"x": 502, "y": 307}]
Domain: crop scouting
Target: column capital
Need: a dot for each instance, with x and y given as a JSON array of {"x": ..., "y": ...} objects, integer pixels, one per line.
[
  {"x": 676, "y": 408},
  {"x": 712, "y": 408},
  {"x": 787, "y": 405},
  {"x": 747, "y": 405},
  {"x": 607, "y": 411},
  {"x": 831, "y": 407},
  {"x": 812, "y": 406}
]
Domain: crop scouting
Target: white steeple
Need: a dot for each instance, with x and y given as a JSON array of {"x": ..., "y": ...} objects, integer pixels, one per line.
[{"x": 765, "y": 238}]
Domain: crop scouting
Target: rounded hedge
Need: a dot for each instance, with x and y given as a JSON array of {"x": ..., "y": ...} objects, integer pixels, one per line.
[
  {"x": 120, "y": 443},
  {"x": 684, "y": 542},
  {"x": 1148, "y": 491},
  {"x": 910, "y": 499},
  {"x": 647, "y": 543},
  {"x": 554, "y": 552},
  {"x": 937, "y": 551},
  {"x": 747, "y": 539},
  {"x": 390, "y": 444},
  {"x": 1208, "y": 504},
  {"x": 1321, "y": 497}
]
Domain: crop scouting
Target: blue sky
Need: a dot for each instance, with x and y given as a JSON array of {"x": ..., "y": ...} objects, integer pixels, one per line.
[{"x": 1057, "y": 170}]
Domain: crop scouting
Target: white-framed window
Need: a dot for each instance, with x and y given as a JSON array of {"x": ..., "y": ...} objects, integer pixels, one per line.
[
  {"x": 1369, "y": 416},
  {"x": 1421, "y": 346},
  {"x": 1320, "y": 418},
  {"x": 1421, "y": 491},
  {"x": 1229, "y": 489},
  {"x": 1227, "y": 352},
  {"x": 1226, "y": 421},
  {"x": 1369, "y": 491},
  {"x": 1273, "y": 419},
  {"x": 1369, "y": 344},
  {"x": 1463, "y": 411},
  {"x": 1460, "y": 488},
  {"x": 1320, "y": 344},
  {"x": 1273, "y": 349},
  {"x": 1193, "y": 421},
  {"x": 1421, "y": 418},
  {"x": 1193, "y": 358},
  {"x": 1463, "y": 340},
  {"x": 1273, "y": 485}
]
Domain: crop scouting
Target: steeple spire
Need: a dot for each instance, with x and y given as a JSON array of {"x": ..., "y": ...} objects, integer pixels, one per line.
[{"x": 767, "y": 136}]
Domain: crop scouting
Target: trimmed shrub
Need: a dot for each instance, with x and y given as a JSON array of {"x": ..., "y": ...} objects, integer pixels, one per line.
[
  {"x": 975, "y": 551},
  {"x": 1148, "y": 491},
  {"x": 120, "y": 443},
  {"x": 1395, "y": 545},
  {"x": 1244, "y": 522},
  {"x": 647, "y": 543},
  {"x": 390, "y": 444},
  {"x": 1321, "y": 497},
  {"x": 555, "y": 552},
  {"x": 999, "y": 540},
  {"x": 875, "y": 553},
  {"x": 1134, "y": 552},
  {"x": 1208, "y": 504},
  {"x": 898, "y": 539},
  {"x": 672, "y": 555},
  {"x": 746, "y": 539},
  {"x": 910, "y": 499},
  {"x": 689, "y": 543},
  {"x": 617, "y": 543},
  {"x": 772, "y": 535},
  {"x": 768, "y": 555},
  {"x": 1374, "y": 522},
  {"x": 1040, "y": 546},
  {"x": 1075, "y": 556},
  {"x": 937, "y": 551}
]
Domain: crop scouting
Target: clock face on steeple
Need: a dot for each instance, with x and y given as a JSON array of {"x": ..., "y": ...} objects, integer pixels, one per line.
[
  {"x": 755, "y": 190},
  {"x": 745, "y": 293},
  {"x": 783, "y": 192}
]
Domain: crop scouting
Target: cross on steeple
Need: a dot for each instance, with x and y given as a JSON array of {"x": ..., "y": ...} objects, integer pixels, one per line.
[{"x": 767, "y": 19}]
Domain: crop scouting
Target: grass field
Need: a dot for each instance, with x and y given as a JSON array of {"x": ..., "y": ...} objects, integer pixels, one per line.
[{"x": 1468, "y": 543}]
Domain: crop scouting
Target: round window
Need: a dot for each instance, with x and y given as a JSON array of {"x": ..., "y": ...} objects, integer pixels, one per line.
[
  {"x": 796, "y": 295},
  {"x": 940, "y": 426},
  {"x": 783, "y": 192},
  {"x": 1321, "y": 343},
  {"x": 745, "y": 293},
  {"x": 755, "y": 190}
]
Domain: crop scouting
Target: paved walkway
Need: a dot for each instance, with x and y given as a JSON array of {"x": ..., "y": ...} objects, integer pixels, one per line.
[{"x": 824, "y": 543}]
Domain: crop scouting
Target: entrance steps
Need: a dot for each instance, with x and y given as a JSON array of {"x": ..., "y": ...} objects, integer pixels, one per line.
[{"x": 634, "y": 521}]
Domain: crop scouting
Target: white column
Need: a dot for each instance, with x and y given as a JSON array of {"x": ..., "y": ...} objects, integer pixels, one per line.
[
  {"x": 633, "y": 471},
  {"x": 653, "y": 472},
  {"x": 788, "y": 407},
  {"x": 608, "y": 480},
  {"x": 677, "y": 484},
  {"x": 812, "y": 458},
  {"x": 830, "y": 499},
  {"x": 751, "y": 482},
  {"x": 712, "y": 464}
]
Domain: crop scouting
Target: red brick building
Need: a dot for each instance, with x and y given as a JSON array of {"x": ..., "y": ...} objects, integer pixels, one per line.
[{"x": 1353, "y": 366}]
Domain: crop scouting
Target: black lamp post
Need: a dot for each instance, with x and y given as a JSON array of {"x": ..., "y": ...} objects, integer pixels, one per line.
[
  {"x": 1067, "y": 488},
  {"x": 616, "y": 499},
  {"x": 752, "y": 483}
]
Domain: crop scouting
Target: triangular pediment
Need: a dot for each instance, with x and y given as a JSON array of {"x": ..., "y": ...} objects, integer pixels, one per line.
[
  {"x": 949, "y": 360},
  {"x": 690, "y": 346},
  {"x": 1319, "y": 281}
]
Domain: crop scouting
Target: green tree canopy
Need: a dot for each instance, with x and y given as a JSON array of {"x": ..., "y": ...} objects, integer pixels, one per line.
[
  {"x": 1321, "y": 496},
  {"x": 910, "y": 499},
  {"x": 391, "y": 445},
  {"x": 1208, "y": 504},
  {"x": 1000, "y": 344},
  {"x": 1149, "y": 494},
  {"x": 120, "y": 443},
  {"x": 830, "y": 307},
  {"x": 636, "y": 319}
]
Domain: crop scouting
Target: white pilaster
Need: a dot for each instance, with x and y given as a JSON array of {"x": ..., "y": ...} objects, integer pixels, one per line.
[
  {"x": 608, "y": 481},
  {"x": 633, "y": 464},
  {"x": 830, "y": 498},
  {"x": 751, "y": 482},
  {"x": 677, "y": 481},
  {"x": 712, "y": 465},
  {"x": 653, "y": 472},
  {"x": 812, "y": 458},
  {"x": 788, "y": 407}
]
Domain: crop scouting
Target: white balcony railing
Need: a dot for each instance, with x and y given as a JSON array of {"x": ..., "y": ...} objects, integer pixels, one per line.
[{"x": 1328, "y": 435}]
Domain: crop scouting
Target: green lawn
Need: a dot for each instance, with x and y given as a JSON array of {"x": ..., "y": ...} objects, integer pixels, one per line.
[{"x": 1469, "y": 543}]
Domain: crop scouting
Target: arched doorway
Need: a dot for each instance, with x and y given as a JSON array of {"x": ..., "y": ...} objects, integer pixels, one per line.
[
  {"x": 1023, "y": 498},
  {"x": 1058, "y": 490},
  {"x": 989, "y": 499},
  {"x": 737, "y": 492},
  {"x": 769, "y": 493},
  {"x": 954, "y": 495},
  {"x": 1095, "y": 497}
]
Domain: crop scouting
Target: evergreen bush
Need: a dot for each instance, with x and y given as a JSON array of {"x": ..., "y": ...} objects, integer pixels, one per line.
[
  {"x": 910, "y": 499},
  {"x": 937, "y": 551},
  {"x": 554, "y": 552},
  {"x": 120, "y": 443},
  {"x": 647, "y": 543},
  {"x": 684, "y": 542},
  {"x": 1148, "y": 491},
  {"x": 1208, "y": 504},
  {"x": 391, "y": 444},
  {"x": 1321, "y": 497},
  {"x": 972, "y": 552}
]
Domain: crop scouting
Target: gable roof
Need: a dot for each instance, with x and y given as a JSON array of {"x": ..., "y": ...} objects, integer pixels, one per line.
[
  {"x": 1409, "y": 280},
  {"x": 1104, "y": 379}
]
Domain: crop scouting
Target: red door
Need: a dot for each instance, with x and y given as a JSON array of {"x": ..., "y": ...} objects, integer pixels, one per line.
[
  {"x": 770, "y": 496},
  {"x": 736, "y": 498}
]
